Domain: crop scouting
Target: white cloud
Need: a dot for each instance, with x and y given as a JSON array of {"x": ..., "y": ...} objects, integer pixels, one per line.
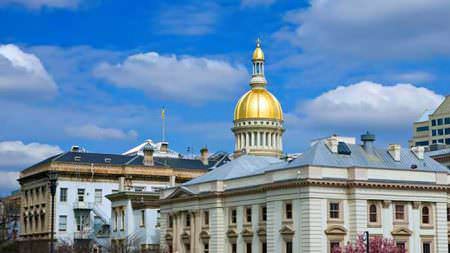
[
  {"x": 371, "y": 105},
  {"x": 253, "y": 3},
  {"x": 194, "y": 19},
  {"x": 37, "y": 4},
  {"x": 22, "y": 74},
  {"x": 16, "y": 154},
  {"x": 187, "y": 79},
  {"x": 371, "y": 29},
  {"x": 8, "y": 181},
  {"x": 414, "y": 77},
  {"x": 94, "y": 132}
]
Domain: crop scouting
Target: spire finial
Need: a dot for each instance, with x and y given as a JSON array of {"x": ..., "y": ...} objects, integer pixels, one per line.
[{"x": 258, "y": 42}]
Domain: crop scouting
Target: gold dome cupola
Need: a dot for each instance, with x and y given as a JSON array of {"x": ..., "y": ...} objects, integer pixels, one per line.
[{"x": 258, "y": 116}]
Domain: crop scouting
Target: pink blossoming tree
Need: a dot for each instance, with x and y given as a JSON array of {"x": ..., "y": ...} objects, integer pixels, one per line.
[{"x": 377, "y": 244}]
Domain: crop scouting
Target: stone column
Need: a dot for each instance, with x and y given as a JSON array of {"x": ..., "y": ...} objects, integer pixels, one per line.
[
  {"x": 258, "y": 139},
  {"x": 441, "y": 227}
]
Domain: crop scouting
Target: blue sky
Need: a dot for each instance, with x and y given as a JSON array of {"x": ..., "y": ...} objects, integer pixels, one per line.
[{"x": 96, "y": 73}]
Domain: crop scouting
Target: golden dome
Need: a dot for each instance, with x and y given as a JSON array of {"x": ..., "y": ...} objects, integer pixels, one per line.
[
  {"x": 258, "y": 103},
  {"x": 258, "y": 54}
]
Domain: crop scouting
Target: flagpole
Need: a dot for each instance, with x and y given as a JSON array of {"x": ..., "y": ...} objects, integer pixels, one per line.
[{"x": 163, "y": 118}]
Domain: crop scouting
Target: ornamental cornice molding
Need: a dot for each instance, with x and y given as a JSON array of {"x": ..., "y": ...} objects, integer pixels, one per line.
[{"x": 350, "y": 184}]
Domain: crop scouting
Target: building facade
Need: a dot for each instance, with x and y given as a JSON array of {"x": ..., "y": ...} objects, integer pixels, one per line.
[
  {"x": 313, "y": 201},
  {"x": 82, "y": 213},
  {"x": 327, "y": 196},
  {"x": 433, "y": 127}
]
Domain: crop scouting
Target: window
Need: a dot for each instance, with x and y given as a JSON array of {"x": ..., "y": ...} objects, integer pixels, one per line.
[
  {"x": 426, "y": 247},
  {"x": 422, "y": 129},
  {"x": 426, "y": 219},
  {"x": 62, "y": 223},
  {"x": 248, "y": 215},
  {"x": 233, "y": 217},
  {"x": 248, "y": 247},
  {"x": 80, "y": 195},
  {"x": 98, "y": 196},
  {"x": 288, "y": 247},
  {"x": 433, "y": 132},
  {"x": 433, "y": 122},
  {"x": 116, "y": 220},
  {"x": 401, "y": 245},
  {"x": 142, "y": 224},
  {"x": 334, "y": 244},
  {"x": 122, "y": 223},
  {"x": 170, "y": 221},
  {"x": 399, "y": 212},
  {"x": 187, "y": 220},
  {"x": 422, "y": 143},
  {"x": 233, "y": 248},
  {"x": 288, "y": 211},
  {"x": 447, "y": 131},
  {"x": 263, "y": 213},
  {"x": 447, "y": 141},
  {"x": 448, "y": 214},
  {"x": 263, "y": 247},
  {"x": 205, "y": 247},
  {"x": 439, "y": 122},
  {"x": 373, "y": 214},
  {"x": 434, "y": 141},
  {"x": 440, "y": 131},
  {"x": 63, "y": 194},
  {"x": 206, "y": 218},
  {"x": 334, "y": 210},
  {"x": 447, "y": 121}
]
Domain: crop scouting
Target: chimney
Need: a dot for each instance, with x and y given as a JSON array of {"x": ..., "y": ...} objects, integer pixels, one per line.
[
  {"x": 204, "y": 155},
  {"x": 394, "y": 151},
  {"x": 332, "y": 144},
  {"x": 148, "y": 155},
  {"x": 121, "y": 184},
  {"x": 367, "y": 140},
  {"x": 419, "y": 152},
  {"x": 164, "y": 147}
]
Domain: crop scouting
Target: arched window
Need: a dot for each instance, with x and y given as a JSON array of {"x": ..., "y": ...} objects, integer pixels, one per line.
[
  {"x": 373, "y": 216},
  {"x": 425, "y": 215}
]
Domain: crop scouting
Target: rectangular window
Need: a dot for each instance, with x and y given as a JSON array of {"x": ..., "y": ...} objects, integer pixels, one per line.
[
  {"x": 170, "y": 221},
  {"x": 206, "y": 218},
  {"x": 187, "y": 220},
  {"x": 448, "y": 214},
  {"x": 434, "y": 141},
  {"x": 334, "y": 210},
  {"x": 447, "y": 121},
  {"x": 139, "y": 188},
  {"x": 263, "y": 247},
  {"x": 433, "y": 132},
  {"x": 116, "y": 220},
  {"x": 233, "y": 216},
  {"x": 447, "y": 131},
  {"x": 63, "y": 194},
  {"x": 440, "y": 122},
  {"x": 334, "y": 244},
  {"x": 264, "y": 213},
  {"x": 433, "y": 122},
  {"x": 233, "y": 248},
  {"x": 248, "y": 248},
  {"x": 62, "y": 223},
  {"x": 422, "y": 129},
  {"x": 248, "y": 215},
  {"x": 422, "y": 143},
  {"x": 205, "y": 248},
  {"x": 80, "y": 195},
  {"x": 98, "y": 196},
  {"x": 142, "y": 224},
  {"x": 399, "y": 212},
  {"x": 288, "y": 211},
  {"x": 426, "y": 247},
  {"x": 401, "y": 245},
  {"x": 122, "y": 223},
  {"x": 289, "y": 247},
  {"x": 440, "y": 131}
]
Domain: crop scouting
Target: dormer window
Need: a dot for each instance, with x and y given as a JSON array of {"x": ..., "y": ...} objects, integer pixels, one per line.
[{"x": 77, "y": 158}]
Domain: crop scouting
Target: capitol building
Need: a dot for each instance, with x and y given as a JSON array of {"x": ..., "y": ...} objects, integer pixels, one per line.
[{"x": 337, "y": 189}]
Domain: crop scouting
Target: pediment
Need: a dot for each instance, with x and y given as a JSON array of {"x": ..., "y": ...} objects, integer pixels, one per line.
[
  {"x": 180, "y": 192},
  {"x": 168, "y": 237},
  {"x": 232, "y": 233},
  {"x": 204, "y": 235},
  {"x": 261, "y": 231},
  {"x": 247, "y": 232},
  {"x": 336, "y": 230},
  {"x": 401, "y": 231},
  {"x": 287, "y": 230}
]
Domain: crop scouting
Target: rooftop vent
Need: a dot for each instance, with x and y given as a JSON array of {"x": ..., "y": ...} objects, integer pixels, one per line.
[
  {"x": 107, "y": 160},
  {"x": 77, "y": 158},
  {"x": 419, "y": 152},
  {"x": 75, "y": 149},
  {"x": 367, "y": 140},
  {"x": 394, "y": 151},
  {"x": 332, "y": 144},
  {"x": 413, "y": 166}
]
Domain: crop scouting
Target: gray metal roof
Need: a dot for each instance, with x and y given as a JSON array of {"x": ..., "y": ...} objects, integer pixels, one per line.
[
  {"x": 242, "y": 166},
  {"x": 439, "y": 152},
  {"x": 425, "y": 115},
  {"x": 320, "y": 155}
]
